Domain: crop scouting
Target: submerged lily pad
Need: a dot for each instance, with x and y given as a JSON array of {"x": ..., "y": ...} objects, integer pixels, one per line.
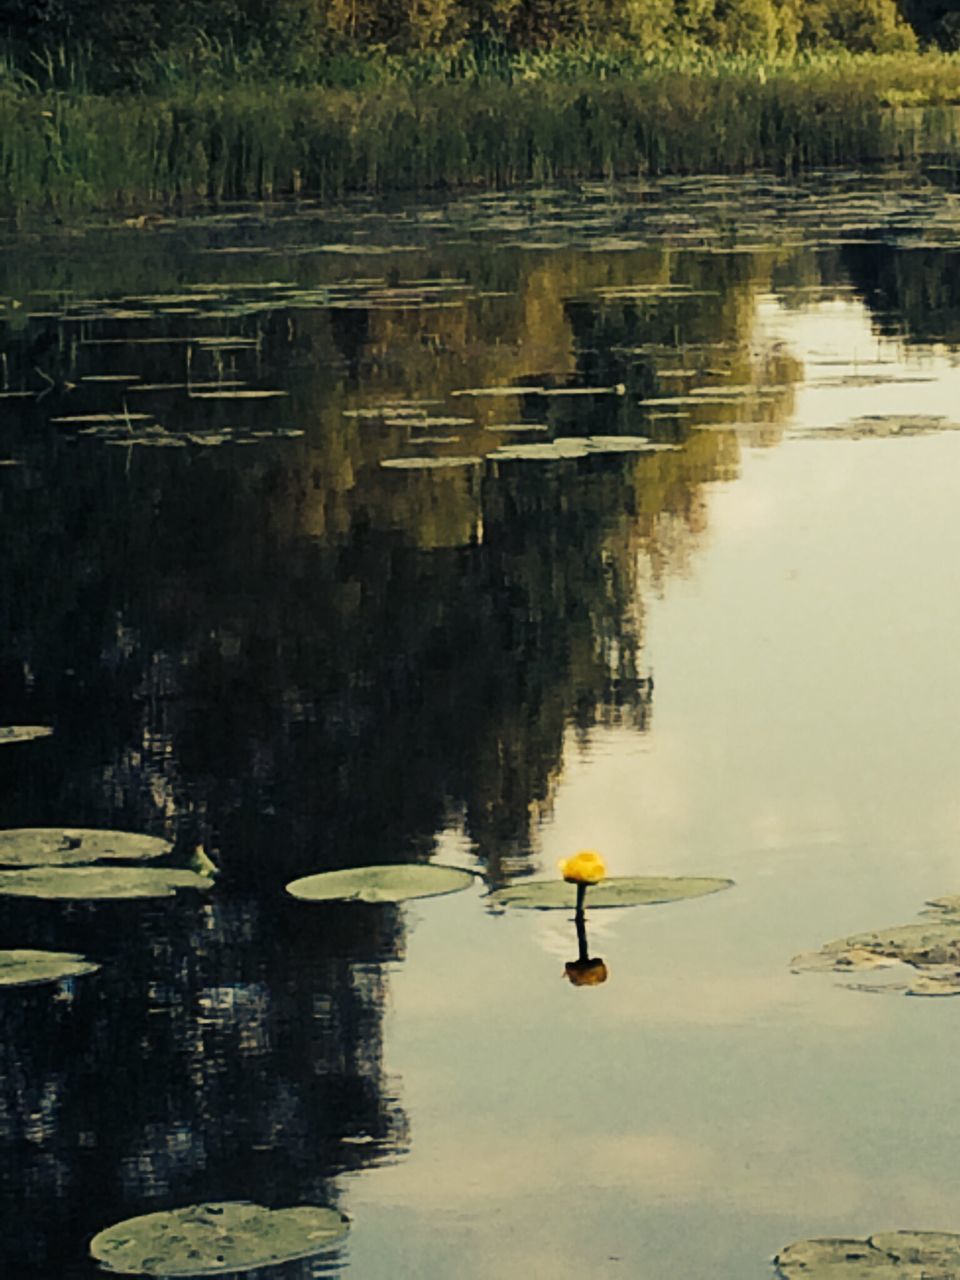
[
  {"x": 891, "y": 1255},
  {"x": 213, "y": 1239},
  {"x": 381, "y": 884},
  {"x": 23, "y": 732},
  {"x": 616, "y": 891},
  {"x": 98, "y": 882},
  {"x": 30, "y": 968},
  {"x": 66, "y": 846}
]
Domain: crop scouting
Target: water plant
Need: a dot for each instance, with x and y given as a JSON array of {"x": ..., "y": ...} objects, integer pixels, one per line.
[
  {"x": 89, "y": 883},
  {"x": 217, "y": 1238},
  {"x": 614, "y": 891},
  {"x": 914, "y": 959},
  {"x": 889, "y": 1255},
  {"x": 70, "y": 152},
  {"x": 583, "y": 869},
  {"x": 23, "y": 732},
  {"x": 26, "y": 968},
  {"x": 75, "y": 846},
  {"x": 381, "y": 883}
]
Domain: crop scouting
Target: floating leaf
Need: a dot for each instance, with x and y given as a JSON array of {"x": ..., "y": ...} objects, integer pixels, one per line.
[
  {"x": 625, "y": 444},
  {"x": 68, "y": 846},
  {"x": 429, "y": 464},
  {"x": 892, "y": 1255},
  {"x": 213, "y": 1239},
  {"x": 382, "y": 884},
  {"x": 500, "y": 391},
  {"x": 121, "y": 418},
  {"x": 880, "y": 426},
  {"x": 926, "y": 955},
  {"x": 29, "y": 968},
  {"x": 252, "y": 394},
  {"x": 23, "y": 732},
  {"x": 616, "y": 891},
  {"x": 556, "y": 451},
  {"x": 97, "y": 882},
  {"x": 187, "y": 386}
]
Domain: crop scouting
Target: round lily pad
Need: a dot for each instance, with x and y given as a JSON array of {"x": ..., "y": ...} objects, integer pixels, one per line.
[
  {"x": 83, "y": 883},
  {"x": 381, "y": 884},
  {"x": 616, "y": 891},
  {"x": 892, "y": 1255},
  {"x": 213, "y": 1239},
  {"x": 28, "y": 968},
  {"x": 23, "y": 732},
  {"x": 67, "y": 846}
]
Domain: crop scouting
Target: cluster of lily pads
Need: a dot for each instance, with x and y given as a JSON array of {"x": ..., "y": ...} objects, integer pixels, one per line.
[
  {"x": 403, "y": 881},
  {"x": 199, "y": 1240},
  {"x": 912, "y": 959},
  {"x": 889, "y": 1255},
  {"x": 65, "y": 864}
]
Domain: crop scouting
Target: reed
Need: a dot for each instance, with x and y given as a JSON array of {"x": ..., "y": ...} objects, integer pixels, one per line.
[{"x": 543, "y": 118}]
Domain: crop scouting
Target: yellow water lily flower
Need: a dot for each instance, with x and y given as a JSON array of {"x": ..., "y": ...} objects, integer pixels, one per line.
[{"x": 586, "y": 867}]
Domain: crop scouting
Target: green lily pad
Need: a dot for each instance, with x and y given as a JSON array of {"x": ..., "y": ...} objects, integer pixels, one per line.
[
  {"x": 64, "y": 846},
  {"x": 617, "y": 891},
  {"x": 382, "y": 884},
  {"x": 23, "y": 732},
  {"x": 892, "y": 1255},
  {"x": 213, "y": 1239},
  {"x": 29, "y": 968},
  {"x": 93, "y": 883}
]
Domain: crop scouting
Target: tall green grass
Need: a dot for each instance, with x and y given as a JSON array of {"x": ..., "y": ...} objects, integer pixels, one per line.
[{"x": 67, "y": 151}]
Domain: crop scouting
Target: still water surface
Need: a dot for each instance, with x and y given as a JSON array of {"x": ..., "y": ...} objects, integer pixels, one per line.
[{"x": 737, "y": 656}]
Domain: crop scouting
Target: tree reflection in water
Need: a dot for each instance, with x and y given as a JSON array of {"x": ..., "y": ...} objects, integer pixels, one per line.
[{"x": 305, "y": 661}]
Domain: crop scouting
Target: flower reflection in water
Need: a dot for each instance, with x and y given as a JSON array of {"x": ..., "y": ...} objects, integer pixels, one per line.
[{"x": 586, "y": 970}]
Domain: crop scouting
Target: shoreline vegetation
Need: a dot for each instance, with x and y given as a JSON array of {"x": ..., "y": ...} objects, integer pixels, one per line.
[{"x": 329, "y": 99}]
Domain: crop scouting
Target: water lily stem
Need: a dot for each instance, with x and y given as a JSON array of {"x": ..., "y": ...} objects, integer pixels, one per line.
[
  {"x": 581, "y": 937},
  {"x": 581, "y": 894}
]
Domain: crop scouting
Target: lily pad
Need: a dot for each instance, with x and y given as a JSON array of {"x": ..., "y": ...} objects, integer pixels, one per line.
[
  {"x": 381, "y": 884},
  {"x": 97, "y": 883},
  {"x": 23, "y": 732},
  {"x": 251, "y": 394},
  {"x": 616, "y": 891},
  {"x": 926, "y": 955},
  {"x": 30, "y": 968},
  {"x": 891, "y": 1255},
  {"x": 426, "y": 463},
  {"x": 213, "y": 1239},
  {"x": 66, "y": 846},
  {"x": 881, "y": 426}
]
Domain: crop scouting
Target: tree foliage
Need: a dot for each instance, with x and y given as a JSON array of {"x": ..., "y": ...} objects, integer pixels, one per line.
[{"x": 301, "y": 33}]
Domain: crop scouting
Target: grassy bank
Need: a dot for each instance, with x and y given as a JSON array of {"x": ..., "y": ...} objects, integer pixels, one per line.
[{"x": 68, "y": 152}]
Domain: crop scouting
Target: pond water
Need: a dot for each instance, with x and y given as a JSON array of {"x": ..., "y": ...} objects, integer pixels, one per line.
[{"x": 736, "y": 654}]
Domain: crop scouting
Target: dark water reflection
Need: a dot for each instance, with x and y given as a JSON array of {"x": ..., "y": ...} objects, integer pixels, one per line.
[{"x": 304, "y": 660}]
